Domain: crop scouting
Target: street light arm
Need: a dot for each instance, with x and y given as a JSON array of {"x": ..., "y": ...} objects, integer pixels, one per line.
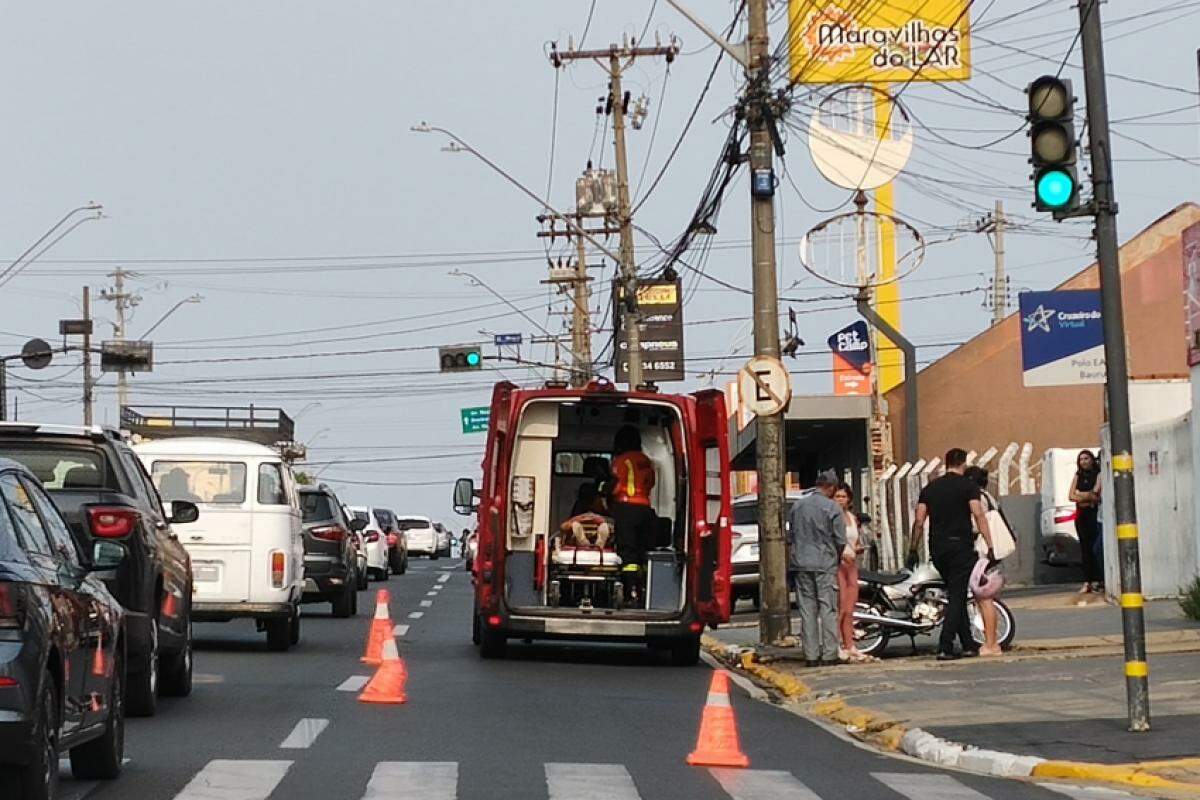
[
  {"x": 737, "y": 53},
  {"x": 193, "y": 299},
  {"x": 17, "y": 267},
  {"x": 425, "y": 127}
]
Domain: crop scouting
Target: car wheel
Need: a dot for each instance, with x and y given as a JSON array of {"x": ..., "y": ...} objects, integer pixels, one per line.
[
  {"x": 279, "y": 634},
  {"x": 38, "y": 780},
  {"x": 176, "y": 679},
  {"x": 100, "y": 759},
  {"x": 294, "y": 626},
  {"x": 141, "y": 694},
  {"x": 434, "y": 556},
  {"x": 403, "y": 564},
  {"x": 343, "y": 603},
  {"x": 354, "y": 603},
  {"x": 363, "y": 577},
  {"x": 493, "y": 644}
]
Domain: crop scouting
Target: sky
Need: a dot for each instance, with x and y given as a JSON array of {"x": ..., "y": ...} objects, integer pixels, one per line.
[{"x": 260, "y": 155}]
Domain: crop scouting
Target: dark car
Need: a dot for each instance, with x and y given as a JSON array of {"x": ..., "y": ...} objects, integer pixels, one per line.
[
  {"x": 330, "y": 558},
  {"x": 397, "y": 542},
  {"x": 104, "y": 493},
  {"x": 62, "y": 648}
]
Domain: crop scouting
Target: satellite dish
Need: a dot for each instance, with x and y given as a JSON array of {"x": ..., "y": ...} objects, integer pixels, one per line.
[
  {"x": 36, "y": 354},
  {"x": 847, "y": 144}
]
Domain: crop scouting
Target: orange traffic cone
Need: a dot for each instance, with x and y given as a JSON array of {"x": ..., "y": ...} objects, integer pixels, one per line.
[
  {"x": 99, "y": 668},
  {"x": 388, "y": 684},
  {"x": 381, "y": 630},
  {"x": 718, "y": 743},
  {"x": 169, "y": 606}
]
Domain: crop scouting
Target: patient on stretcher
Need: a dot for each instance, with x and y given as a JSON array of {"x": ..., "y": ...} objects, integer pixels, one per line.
[{"x": 588, "y": 527}]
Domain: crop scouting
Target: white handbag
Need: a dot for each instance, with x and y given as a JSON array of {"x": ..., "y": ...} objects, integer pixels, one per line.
[{"x": 1004, "y": 543}]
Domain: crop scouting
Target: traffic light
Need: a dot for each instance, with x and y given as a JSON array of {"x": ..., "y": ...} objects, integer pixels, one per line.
[
  {"x": 460, "y": 359},
  {"x": 1053, "y": 145}
]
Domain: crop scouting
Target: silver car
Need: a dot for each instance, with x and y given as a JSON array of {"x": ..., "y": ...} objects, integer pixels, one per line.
[{"x": 745, "y": 543}]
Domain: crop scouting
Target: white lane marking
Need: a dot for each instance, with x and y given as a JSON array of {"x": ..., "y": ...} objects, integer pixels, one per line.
[
  {"x": 590, "y": 782},
  {"x": 426, "y": 603},
  {"x": 399, "y": 631},
  {"x": 762, "y": 784},
  {"x": 1087, "y": 792},
  {"x": 72, "y": 791},
  {"x": 443, "y": 578},
  {"x": 304, "y": 734},
  {"x": 431, "y": 594},
  {"x": 413, "y": 780},
  {"x": 926, "y": 786},
  {"x": 235, "y": 780},
  {"x": 354, "y": 683},
  {"x": 207, "y": 678},
  {"x": 416, "y": 615}
]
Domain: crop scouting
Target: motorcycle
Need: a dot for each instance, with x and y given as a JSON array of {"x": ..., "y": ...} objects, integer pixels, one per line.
[{"x": 911, "y": 604}]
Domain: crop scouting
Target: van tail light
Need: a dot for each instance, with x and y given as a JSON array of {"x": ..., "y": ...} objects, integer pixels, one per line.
[
  {"x": 112, "y": 522},
  {"x": 1061, "y": 517},
  {"x": 329, "y": 533},
  {"x": 278, "y": 562},
  {"x": 10, "y": 607},
  {"x": 371, "y": 536}
]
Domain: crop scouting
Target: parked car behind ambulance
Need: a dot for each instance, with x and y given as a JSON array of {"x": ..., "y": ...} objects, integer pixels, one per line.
[
  {"x": 247, "y": 547},
  {"x": 1060, "y": 542}
]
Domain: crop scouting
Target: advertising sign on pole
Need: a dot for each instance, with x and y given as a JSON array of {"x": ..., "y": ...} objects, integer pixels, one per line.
[
  {"x": 661, "y": 311},
  {"x": 1062, "y": 338},
  {"x": 893, "y": 42},
  {"x": 475, "y": 420},
  {"x": 851, "y": 348},
  {"x": 1191, "y": 291}
]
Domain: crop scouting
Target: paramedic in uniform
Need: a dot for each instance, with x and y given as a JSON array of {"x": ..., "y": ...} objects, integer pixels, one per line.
[{"x": 634, "y": 518}]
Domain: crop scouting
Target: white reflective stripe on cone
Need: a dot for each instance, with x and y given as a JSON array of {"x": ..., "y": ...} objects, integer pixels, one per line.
[
  {"x": 762, "y": 784},
  {"x": 413, "y": 780},
  {"x": 590, "y": 782},
  {"x": 717, "y": 699},
  {"x": 235, "y": 780}
]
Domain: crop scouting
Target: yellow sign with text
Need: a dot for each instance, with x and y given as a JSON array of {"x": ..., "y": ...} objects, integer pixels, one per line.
[{"x": 879, "y": 41}]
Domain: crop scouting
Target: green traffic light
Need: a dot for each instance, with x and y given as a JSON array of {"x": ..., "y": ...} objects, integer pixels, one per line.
[
  {"x": 472, "y": 359},
  {"x": 1055, "y": 188}
]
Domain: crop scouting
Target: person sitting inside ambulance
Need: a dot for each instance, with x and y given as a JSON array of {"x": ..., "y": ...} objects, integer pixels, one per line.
[{"x": 630, "y": 509}]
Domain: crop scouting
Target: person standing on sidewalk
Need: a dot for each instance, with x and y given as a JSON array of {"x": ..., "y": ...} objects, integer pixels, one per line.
[
  {"x": 818, "y": 540},
  {"x": 949, "y": 503},
  {"x": 1085, "y": 493},
  {"x": 847, "y": 576},
  {"x": 987, "y": 605}
]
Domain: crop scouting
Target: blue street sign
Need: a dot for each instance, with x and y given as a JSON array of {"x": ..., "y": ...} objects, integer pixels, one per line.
[
  {"x": 1062, "y": 338},
  {"x": 508, "y": 339}
]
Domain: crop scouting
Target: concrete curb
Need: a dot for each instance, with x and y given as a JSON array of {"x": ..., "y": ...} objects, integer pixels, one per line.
[{"x": 890, "y": 735}]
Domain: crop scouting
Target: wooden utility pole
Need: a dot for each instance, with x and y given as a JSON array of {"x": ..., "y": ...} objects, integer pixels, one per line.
[
  {"x": 123, "y": 301},
  {"x": 618, "y": 59},
  {"x": 581, "y": 318},
  {"x": 995, "y": 224},
  {"x": 87, "y": 356}
]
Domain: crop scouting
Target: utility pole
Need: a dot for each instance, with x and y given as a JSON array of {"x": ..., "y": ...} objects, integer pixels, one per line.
[
  {"x": 1119, "y": 424},
  {"x": 619, "y": 58},
  {"x": 994, "y": 224},
  {"x": 774, "y": 608},
  {"x": 3, "y": 391},
  {"x": 581, "y": 322},
  {"x": 87, "y": 356},
  {"x": 123, "y": 301}
]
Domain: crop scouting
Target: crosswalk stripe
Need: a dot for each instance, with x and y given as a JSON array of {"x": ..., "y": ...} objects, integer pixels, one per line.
[
  {"x": 1087, "y": 792},
  {"x": 353, "y": 683},
  {"x": 304, "y": 734},
  {"x": 762, "y": 784},
  {"x": 235, "y": 780},
  {"x": 416, "y": 615},
  {"x": 399, "y": 630},
  {"x": 443, "y": 578},
  {"x": 413, "y": 780},
  {"x": 426, "y": 603},
  {"x": 590, "y": 782},
  {"x": 926, "y": 786},
  {"x": 431, "y": 594}
]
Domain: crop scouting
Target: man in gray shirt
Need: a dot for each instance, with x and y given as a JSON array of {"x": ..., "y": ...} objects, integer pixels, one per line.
[{"x": 818, "y": 539}]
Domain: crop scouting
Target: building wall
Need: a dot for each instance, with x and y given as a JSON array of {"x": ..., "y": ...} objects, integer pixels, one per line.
[{"x": 974, "y": 397}]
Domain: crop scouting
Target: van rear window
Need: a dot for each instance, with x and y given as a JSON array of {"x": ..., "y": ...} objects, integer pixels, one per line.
[
  {"x": 64, "y": 467},
  {"x": 315, "y": 506},
  {"x": 412, "y": 524},
  {"x": 212, "y": 482}
]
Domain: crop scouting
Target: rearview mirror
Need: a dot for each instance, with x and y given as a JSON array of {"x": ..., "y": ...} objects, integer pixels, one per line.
[
  {"x": 464, "y": 496},
  {"x": 107, "y": 555},
  {"x": 357, "y": 524},
  {"x": 183, "y": 512}
]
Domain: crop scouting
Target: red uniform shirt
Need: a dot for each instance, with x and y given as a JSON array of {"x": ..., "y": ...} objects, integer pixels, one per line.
[{"x": 633, "y": 478}]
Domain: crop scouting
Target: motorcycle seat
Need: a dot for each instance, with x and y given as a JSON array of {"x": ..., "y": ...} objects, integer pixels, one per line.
[{"x": 883, "y": 578}]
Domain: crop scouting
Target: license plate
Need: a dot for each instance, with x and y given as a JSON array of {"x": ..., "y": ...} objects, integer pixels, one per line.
[{"x": 206, "y": 573}]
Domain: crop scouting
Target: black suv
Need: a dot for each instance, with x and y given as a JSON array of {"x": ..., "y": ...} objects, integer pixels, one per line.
[
  {"x": 62, "y": 652},
  {"x": 105, "y": 494},
  {"x": 330, "y": 557}
]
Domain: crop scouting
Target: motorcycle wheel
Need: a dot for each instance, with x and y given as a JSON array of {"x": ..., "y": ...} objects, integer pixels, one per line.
[
  {"x": 1006, "y": 625},
  {"x": 870, "y": 638}
]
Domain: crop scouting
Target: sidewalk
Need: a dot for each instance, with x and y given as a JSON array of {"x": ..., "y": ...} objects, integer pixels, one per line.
[{"x": 1058, "y": 695}]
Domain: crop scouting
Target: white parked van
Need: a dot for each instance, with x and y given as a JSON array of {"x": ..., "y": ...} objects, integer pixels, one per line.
[
  {"x": 247, "y": 548},
  {"x": 1060, "y": 542}
]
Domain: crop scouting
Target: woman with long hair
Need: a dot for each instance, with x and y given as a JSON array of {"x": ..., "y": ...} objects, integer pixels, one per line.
[
  {"x": 1085, "y": 494},
  {"x": 987, "y": 608},
  {"x": 847, "y": 576}
]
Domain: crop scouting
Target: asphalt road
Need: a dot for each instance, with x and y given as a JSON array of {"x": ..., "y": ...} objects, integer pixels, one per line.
[{"x": 552, "y": 721}]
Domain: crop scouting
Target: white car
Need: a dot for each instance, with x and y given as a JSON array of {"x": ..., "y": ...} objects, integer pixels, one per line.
[
  {"x": 376, "y": 543},
  {"x": 444, "y": 539},
  {"x": 745, "y": 544},
  {"x": 422, "y": 536}
]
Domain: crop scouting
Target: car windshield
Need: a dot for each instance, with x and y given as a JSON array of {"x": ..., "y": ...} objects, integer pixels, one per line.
[
  {"x": 384, "y": 518},
  {"x": 362, "y": 516},
  {"x": 411, "y": 524},
  {"x": 212, "y": 482},
  {"x": 315, "y": 506},
  {"x": 64, "y": 467}
]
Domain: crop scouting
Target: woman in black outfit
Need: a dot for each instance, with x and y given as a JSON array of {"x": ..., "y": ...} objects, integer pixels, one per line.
[{"x": 1085, "y": 493}]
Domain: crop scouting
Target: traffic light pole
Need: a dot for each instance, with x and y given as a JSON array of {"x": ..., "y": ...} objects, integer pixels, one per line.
[{"x": 1120, "y": 426}]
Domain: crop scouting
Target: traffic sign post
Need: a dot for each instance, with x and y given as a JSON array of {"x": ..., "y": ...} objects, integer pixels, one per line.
[
  {"x": 475, "y": 419},
  {"x": 765, "y": 386}
]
